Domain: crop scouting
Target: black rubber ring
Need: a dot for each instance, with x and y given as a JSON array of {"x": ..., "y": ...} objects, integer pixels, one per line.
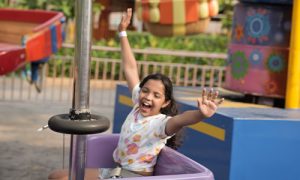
[{"x": 63, "y": 124}]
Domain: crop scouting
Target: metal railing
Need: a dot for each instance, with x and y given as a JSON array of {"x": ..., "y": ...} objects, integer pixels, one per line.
[{"x": 57, "y": 82}]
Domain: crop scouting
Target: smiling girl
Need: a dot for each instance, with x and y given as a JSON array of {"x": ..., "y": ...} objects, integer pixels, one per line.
[{"x": 153, "y": 119}]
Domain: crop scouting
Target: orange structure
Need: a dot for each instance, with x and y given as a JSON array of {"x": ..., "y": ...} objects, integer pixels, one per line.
[{"x": 176, "y": 17}]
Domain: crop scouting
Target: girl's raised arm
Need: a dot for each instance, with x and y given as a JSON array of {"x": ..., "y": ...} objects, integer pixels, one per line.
[
  {"x": 207, "y": 106},
  {"x": 128, "y": 59}
]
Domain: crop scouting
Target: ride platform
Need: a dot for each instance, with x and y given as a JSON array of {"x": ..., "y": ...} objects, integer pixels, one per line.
[{"x": 241, "y": 141}]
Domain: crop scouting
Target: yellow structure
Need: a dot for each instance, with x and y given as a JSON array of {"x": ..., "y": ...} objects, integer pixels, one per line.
[{"x": 292, "y": 98}]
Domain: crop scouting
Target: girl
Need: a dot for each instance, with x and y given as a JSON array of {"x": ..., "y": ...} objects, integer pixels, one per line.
[{"x": 150, "y": 123}]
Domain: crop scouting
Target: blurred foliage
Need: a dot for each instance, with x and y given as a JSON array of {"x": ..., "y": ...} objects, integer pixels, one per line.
[
  {"x": 195, "y": 43},
  {"x": 65, "y": 6},
  {"x": 3, "y": 3},
  {"x": 226, "y": 9}
]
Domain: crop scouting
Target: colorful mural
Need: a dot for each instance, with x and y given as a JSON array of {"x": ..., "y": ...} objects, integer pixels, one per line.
[{"x": 259, "y": 49}]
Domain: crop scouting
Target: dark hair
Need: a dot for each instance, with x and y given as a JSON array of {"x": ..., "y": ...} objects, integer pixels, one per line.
[{"x": 171, "y": 109}]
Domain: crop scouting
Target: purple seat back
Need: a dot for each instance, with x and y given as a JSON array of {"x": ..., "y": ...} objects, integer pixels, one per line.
[
  {"x": 100, "y": 149},
  {"x": 170, "y": 164}
]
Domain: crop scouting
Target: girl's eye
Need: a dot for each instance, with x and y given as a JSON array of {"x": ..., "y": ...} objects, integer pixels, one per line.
[
  {"x": 157, "y": 95},
  {"x": 144, "y": 90}
]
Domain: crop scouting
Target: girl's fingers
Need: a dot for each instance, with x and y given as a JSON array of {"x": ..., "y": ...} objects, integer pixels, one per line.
[
  {"x": 220, "y": 101},
  {"x": 127, "y": 16},
  {"x": 215, "y": 96},
  {"x": 203, "y": 93},
  {"x": 125, "y": 19},
  {"x": 204, "y": 96},
  {"x": 199, "y": 101},
  {"x": 210, "y": 94}
]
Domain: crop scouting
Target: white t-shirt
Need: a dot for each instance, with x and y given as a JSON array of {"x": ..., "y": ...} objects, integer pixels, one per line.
[{"x": 141, "y": 139}]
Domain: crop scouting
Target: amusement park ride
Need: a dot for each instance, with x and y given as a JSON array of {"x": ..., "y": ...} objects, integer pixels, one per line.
[
  {"x": 29, "y": 36},
  {"x": 237, "y": 143},
  {"x": 95, "y": 151},
  {"x": 246, "y": 141}
]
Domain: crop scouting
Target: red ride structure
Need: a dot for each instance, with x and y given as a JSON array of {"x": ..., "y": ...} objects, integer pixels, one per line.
[{"x": 28, "y": 36}]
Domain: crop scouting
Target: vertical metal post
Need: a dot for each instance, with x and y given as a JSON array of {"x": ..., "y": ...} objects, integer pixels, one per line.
[
  {"x": 292, "y": 97},
  {"x": 83, "y": 20}
]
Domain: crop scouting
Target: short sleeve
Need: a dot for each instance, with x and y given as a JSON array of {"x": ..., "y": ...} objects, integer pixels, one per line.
[
  {"x": 160, "y": 126},
  {"x": 135, "y": 93}
]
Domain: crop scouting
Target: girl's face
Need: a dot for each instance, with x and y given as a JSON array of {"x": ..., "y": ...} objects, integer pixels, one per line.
[{"x": 152, "y": 98}]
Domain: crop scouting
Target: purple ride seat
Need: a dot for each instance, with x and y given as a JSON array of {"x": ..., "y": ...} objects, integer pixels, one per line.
[{"x": 170, "y": 164}]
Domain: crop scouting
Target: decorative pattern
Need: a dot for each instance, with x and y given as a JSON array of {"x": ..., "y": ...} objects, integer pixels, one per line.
[
  {"x": 239, "y": 32},
  {"x": 271, "y": 87},
  {"x": 256, "y": 58},
  {"x": 265, "y": 73},
  {"x": 258, "y": 25},
  {"x": 275, "y": 63},
  {"x": 239, "y": 65},
  {"x": 266, "y": 25}
]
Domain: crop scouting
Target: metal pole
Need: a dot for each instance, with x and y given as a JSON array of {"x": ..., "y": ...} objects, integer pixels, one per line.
[
  {"x": 77, "y": 160},
  {"x": 80, "y": 105}
]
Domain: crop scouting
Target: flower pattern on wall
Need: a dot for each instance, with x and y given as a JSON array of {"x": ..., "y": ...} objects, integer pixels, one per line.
[
  {"x": 239, "y": 65},
  {"x": 256, "y": 58},
  {"x": 239, "y": 32},
  {"x": 258, "y": 25},
  {"x": 275, "y": 63},
  {"x": 271, "y": 87}
]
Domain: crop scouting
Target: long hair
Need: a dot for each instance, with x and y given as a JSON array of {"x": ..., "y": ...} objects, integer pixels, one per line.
[{"x": 171, "y": 109}]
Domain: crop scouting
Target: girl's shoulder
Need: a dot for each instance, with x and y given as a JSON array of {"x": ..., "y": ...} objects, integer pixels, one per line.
[
  {"x": 158, "y": 119},
  {"x": 135, "y": 93}
]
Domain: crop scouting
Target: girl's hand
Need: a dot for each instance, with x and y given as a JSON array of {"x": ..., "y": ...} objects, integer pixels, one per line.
[
  {"x": 125, "y": 21},
  {"x": 208, "y": 104}
]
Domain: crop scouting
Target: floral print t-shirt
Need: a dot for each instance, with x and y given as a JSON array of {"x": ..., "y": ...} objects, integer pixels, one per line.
[{"x": 141, "y": 139}]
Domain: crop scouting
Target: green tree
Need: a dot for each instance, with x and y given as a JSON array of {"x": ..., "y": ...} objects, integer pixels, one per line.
[{"x": 226, "y": 9}]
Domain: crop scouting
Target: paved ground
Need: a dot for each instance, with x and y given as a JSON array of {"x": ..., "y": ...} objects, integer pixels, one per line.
[{"x": 25, "y": 153}]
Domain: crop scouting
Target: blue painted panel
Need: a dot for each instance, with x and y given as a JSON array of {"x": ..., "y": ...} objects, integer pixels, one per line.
[
  {"x": 53, "y": 39},
  {"x": 209, "y": 151},
  {"x": 121, "y": 111},
  {"x": 265, "y": 149},
  {"x": 271, "y": 114}
]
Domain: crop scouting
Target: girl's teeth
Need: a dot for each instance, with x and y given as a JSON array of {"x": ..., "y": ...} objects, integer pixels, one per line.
[{"x": 146, "y": 104}]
